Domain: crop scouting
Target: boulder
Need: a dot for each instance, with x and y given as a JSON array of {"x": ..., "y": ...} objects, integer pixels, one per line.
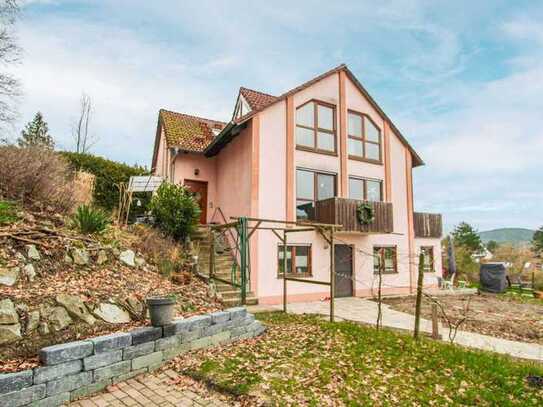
[
  {"x": 127, "y": 257},
  {"x": 80, "y": 257},
  {"x": 32, "y": 252},
  {"x": 101, "y": 258},
  {"x": 59, "y": 318},
  {"x": 29, "y": 272},
  {"x": 76, "y": 307},
  {"x": 33, "y": 321},
  {"x": 9, "y": 276},
  {"x": 8, "y": 314},
  {"x": 10, "y": 333},
  {"x": 111, "y": 313}
]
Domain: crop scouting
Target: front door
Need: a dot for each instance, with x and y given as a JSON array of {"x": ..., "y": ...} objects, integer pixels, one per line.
[
  {"x": 199, "y": 189},
  {"x": 343, "y": 257}
]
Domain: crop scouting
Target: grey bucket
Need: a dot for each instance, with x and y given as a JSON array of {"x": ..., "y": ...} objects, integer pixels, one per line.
[{"x": 160, "y": 310}]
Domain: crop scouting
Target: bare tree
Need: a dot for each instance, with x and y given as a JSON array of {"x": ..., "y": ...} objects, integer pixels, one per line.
[
  {"x": 80, "y": 131},
  {"x": 9, "y": 54}
]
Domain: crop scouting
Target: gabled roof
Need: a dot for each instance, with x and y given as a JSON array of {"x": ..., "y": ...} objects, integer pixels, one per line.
[
  {"x": 186, "y": 132},
  {"x": 262, "y": 101},
  {"x": 257, "y": 100}
]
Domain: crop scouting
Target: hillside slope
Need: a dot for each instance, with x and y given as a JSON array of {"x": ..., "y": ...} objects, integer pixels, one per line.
[{"x": 507, "y": 235}]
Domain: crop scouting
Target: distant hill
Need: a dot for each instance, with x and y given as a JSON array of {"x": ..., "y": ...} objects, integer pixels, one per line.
[{"x": 508, "y": 235}]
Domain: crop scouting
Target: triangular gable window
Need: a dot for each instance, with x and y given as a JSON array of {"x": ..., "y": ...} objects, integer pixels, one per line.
[{"x": 242, "y": 107}]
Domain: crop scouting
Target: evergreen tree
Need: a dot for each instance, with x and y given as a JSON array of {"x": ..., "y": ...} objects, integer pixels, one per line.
[
  {"x": 492, "y": 245},
  {"x": 467, "y": 237},
  {"x": 537, "y": 242},
  {"x": 36, "y": 134}
]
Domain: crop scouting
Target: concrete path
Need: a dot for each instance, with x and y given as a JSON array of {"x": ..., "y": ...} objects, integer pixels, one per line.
[
  {"x": 362, "y": 310},
  {"x": 152, "y": 389}
]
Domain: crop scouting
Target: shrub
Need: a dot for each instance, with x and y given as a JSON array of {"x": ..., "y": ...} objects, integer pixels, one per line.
[
  {"x": 8, "y": 213},
  {"x": 36, "y": 175},
  {"x": 90, "y": 220},
  {"x": 108, "y": 175},
  {"x": 538, "y": 281},
  {"x": 175, "y": 210}
]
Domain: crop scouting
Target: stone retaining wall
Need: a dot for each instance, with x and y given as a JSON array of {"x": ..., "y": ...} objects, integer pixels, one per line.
[{"x": 76, "y": 369}]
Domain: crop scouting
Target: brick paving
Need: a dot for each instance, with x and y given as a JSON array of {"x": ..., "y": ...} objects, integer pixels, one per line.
[{"x": 151, "y": 389}]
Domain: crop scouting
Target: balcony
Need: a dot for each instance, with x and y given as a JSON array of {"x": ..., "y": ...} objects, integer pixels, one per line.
[
  {"x": 342, "y": 211},
  {"x": 428, "y": 225}
]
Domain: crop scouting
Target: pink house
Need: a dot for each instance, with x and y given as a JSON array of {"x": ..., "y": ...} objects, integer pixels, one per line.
[{"x": 314, "y": 153}]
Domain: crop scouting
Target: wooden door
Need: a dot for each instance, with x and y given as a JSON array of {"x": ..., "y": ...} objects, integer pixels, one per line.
[
  {"x": 343, "y": 257},
  {"x": 199, "y": 189}
]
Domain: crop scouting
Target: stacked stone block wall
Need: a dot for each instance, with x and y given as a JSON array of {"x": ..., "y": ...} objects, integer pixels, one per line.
[{"x": 76, "y": 369}]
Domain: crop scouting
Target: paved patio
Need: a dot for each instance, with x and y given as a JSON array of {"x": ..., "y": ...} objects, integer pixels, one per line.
[
  {"x": 152, "y": 389},
  {"x": 365, "y": 311}
]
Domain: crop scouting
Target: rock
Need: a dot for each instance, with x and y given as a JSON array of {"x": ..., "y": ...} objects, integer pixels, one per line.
[
  {"x": 20, "y": 256},
  {"x": 140, "y": 261},
  {"x": 9, "y": 276},
  {"x": 59, "y": 318},
  {"x": 80, "y": 257},
  {"x": 43, "y": 328},
  {"x": 32, "y": 252},
  {"x": 135, "y": 305},
  {"x": 127, "y": 257},
  {"x": 8, "y": 314},
  {"x": 29, "y": 271},
  {"x": 33, "y": 321},
  {"x": 102, "y": 257},
  {"x": 68, "y": 259},
  {"x": 10, "y": 333},
  {"x": 76, "y": 307},
  {"x": 111, "y": 313}
]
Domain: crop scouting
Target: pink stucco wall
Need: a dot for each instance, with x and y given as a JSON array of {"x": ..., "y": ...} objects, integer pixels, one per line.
[{"x": 229, "y": 176}]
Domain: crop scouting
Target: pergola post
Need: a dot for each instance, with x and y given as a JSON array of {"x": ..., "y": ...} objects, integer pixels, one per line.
[
  {"x": 284, "y": 271},
  {"x": 332, "y": 274}
]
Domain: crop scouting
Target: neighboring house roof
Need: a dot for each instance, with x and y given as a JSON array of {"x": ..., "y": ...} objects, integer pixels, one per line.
[
  {"x": 186, "y": 132},
  {"x": 260, "y": 101}
]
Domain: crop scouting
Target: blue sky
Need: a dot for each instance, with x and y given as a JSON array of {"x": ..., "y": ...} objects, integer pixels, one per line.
[{"x": 462, "y": 80}]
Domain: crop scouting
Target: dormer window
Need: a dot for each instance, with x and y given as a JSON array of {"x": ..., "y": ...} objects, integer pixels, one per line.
[
  {"x": 316, "y": 127},
  {"x": 364, "y": 138},
  {"x": 242, "y": 108}
]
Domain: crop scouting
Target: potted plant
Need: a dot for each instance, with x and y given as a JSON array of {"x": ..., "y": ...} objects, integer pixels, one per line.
[{"x": 161, "y": 309}]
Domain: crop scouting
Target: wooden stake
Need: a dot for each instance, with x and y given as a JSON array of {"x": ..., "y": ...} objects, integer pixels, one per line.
[
  {"x": 420, "y": 282},
  {"x": 332, "y": 275},
  {"x": 284, "y": 271},
  {"x": 435, "y": 325}
]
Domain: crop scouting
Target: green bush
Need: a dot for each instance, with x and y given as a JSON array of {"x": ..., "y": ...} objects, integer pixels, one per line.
[
  {"x": 108, "y": 175},
  {"x": 90, "y": 220},
  {"x": 175, "y": 210},
  {"x": 8, "y": 213}
]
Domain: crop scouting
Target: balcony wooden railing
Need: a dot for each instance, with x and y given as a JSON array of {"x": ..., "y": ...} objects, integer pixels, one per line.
[
  {"x": 428, "y": 225},
  {"x": 342, "y": 211}
]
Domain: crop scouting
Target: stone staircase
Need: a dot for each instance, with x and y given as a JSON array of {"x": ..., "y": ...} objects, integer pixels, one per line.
[{"x": 230, "y": 295}]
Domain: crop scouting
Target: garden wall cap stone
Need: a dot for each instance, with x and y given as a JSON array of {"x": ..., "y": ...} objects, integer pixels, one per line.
[
  {"x": 145, "y": 334},
  {"x": 15, "y": 381},
  {"x": 219, "y": 316},
  {"x": 199, "y": 321},
  {"x": 47, "y": 373},
  {"x": 176, "y": 326},
  {"x": 237, "y": 312},
  {"x": 52, "y": 355},
  {"x": 106, "y": 343}
]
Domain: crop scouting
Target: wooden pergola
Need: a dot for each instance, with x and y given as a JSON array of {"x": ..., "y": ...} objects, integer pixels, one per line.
[{"x": 326, "y": 230}]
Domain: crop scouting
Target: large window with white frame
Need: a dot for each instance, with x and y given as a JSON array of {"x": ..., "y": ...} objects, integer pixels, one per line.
[
  {"x": 316, "y": 127},
  {"x": 365, "y": 189},
  {"x": 312, "y": 186},
  {"x": 364, "y": 138}
]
